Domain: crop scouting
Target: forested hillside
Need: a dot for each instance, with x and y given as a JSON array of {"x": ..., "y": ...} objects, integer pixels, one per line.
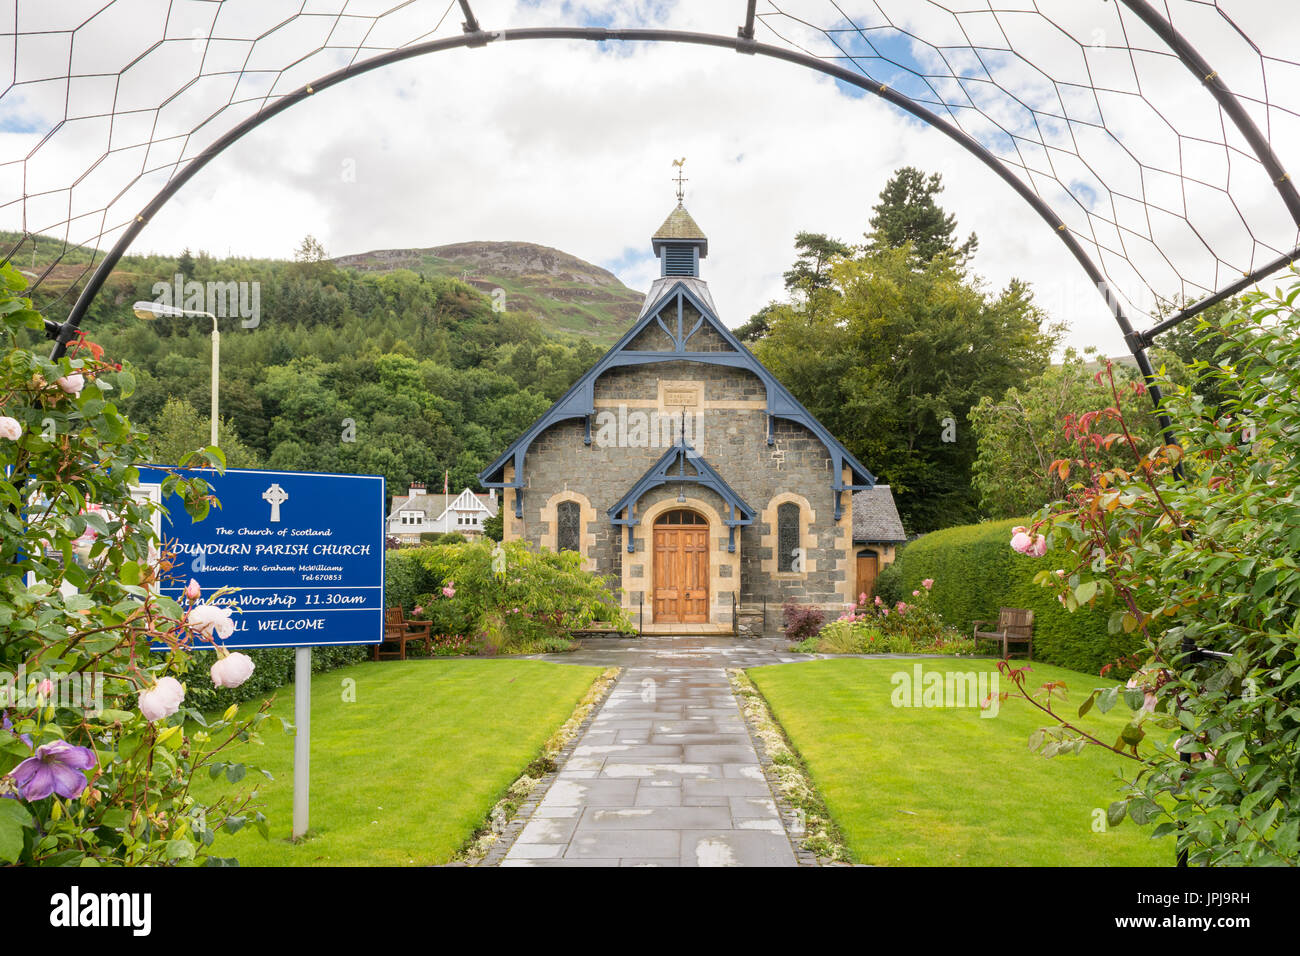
[{"x": 395, "y": 373}]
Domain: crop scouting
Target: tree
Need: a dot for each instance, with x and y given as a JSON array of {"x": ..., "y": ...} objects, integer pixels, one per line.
[
  {"x": 1200, "y": 347},
  {"x": 180, "y": 430},
  {"x": 893, "y": 362},
  {"x": 1019, "y": 434},
  {"x": 758, "y": 326},
  {"x": 908, "y": 213},
  {"x": 311, "y": 261},
  {"x": 811, "y": 269}
]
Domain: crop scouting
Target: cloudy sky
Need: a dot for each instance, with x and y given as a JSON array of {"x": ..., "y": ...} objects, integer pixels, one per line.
[{"x": 569, "y": 144}]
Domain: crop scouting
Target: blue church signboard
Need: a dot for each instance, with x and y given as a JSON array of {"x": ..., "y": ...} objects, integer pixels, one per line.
[{"x": 305, "y": 551}]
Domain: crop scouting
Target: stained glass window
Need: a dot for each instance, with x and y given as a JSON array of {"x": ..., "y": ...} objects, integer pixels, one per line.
[
  {"x": 569, "y": 531},
  {"x": 787, "y": 536}
]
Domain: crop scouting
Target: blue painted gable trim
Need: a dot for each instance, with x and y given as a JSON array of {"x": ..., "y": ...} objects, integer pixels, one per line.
[
  {"x": 579, "y": 400},
  {"x": 661, "y": 473}
]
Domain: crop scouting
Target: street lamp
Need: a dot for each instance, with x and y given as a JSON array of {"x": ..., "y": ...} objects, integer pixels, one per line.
[{"x": 154, "y": 310}]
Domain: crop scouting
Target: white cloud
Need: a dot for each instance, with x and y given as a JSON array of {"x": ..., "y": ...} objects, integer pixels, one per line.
[{"x": 567, "y": 144}]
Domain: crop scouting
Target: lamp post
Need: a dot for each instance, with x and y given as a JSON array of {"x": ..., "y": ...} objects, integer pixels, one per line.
[{"x": 153, "y": 310}]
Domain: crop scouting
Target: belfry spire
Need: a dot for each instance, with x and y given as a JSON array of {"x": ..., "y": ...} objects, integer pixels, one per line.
[{"x": 680, "y": 243}]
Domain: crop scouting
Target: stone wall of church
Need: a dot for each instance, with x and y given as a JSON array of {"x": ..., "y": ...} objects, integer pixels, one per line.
[{"x": 732, "y": 436}]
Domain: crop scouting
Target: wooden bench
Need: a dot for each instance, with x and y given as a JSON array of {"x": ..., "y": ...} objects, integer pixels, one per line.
[
  {"x": 598, "y": 629},
  {"x": 1015, "y": 626},
  {"x": 398, "y": 632}
]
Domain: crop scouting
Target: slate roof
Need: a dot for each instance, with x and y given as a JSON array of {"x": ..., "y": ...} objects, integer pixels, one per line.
[
  {"x": 680, "y": 226},
  {"x": 875, "y": 516}
]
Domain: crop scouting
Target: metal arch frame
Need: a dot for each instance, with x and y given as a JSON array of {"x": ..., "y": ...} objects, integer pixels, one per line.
[{"x": 743, "y": 42}]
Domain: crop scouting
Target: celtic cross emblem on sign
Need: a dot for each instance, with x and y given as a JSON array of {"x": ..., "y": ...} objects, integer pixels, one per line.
[{"x": 275, "y": 496}]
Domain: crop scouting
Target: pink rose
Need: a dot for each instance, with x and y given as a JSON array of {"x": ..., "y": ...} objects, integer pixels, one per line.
[
  {"x": 192, "y": 591},
  {"x": 417, "y": 610},
  {"x": 862, "y": 598},
  {"x": 1060, "y": 573},
  {"x": 927, "y": 583},
  {"x": 46, "y": 688},
  {"x": 1021, "y": 542},
  {"x": 209, "y": 621},
  {"x": 72, "y": 384},
  {"x": 879, "y": 602},
  {"x": 1038, "y": 548},
  {"x": 162, "y": 700},
  {"x": 900, "y": 607},
  {"x": 231, "y": 670},
  {"x": 10, "y": 428},
  {"x": 916, "y": 594},
  {"x": 449, "y": 590}
]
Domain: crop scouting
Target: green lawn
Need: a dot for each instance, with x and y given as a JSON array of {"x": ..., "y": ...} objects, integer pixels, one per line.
[
  {"x": 917, "y": 786},
  {"x": 406, "y": 773}
]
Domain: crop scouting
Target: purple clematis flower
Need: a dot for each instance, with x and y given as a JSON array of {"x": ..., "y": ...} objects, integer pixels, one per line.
[
  {"x": 54, "y": 768},
  {"x": 25, "y": 738}
]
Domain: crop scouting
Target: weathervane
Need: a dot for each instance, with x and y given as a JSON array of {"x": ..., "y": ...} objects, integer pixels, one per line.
[{"x": 681, "y": 180}]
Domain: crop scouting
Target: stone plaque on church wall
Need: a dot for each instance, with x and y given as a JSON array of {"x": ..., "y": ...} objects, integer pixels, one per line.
[{"x": 679, "y": 394}]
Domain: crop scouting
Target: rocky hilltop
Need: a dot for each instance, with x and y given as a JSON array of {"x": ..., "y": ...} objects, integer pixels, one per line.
[{"x": 566, "y": 294}]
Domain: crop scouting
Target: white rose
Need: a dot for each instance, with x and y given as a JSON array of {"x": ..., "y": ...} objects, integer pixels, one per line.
[
  {"x": 162, "y": 700},
  {"x": 232, "y": 670},
  {"x": 10, "y": 428},
  {"x": 210, "y": 620},
  {"x": 72, "y": 384}
]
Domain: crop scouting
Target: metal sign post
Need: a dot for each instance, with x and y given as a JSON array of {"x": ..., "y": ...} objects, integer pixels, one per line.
[{"x": 302, "y": 739}]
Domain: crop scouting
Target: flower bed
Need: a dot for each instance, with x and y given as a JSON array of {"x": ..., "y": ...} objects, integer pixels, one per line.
[{"x": 876, "y": 628}]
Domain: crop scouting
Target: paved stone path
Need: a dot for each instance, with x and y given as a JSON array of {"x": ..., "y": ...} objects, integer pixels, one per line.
[{"x": 666, "y": 773}]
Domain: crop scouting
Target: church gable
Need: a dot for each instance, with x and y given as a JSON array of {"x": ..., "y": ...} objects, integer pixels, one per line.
[{"x": 678, "y": 324}]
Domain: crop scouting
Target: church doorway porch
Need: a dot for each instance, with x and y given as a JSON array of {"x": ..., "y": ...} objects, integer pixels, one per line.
[{"x": 681, "y": 567}]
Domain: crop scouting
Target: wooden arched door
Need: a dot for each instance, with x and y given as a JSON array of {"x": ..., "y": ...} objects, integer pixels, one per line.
[
  {"x": 868, "y": 568},
  {"x": 681, "y": 567}
]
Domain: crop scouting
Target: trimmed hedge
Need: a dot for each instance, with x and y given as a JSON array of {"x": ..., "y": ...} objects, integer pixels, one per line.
[
  {"x": 405, "y": 577},
  {"x": 975, "y": 573},
  {"x": 274, "y": 668}
]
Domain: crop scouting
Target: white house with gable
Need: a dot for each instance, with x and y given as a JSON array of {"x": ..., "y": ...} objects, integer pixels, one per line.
[{"x": 417, "y": 512}]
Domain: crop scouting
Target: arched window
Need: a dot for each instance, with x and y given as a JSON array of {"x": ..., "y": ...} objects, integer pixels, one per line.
[
  {"x": 787, "y": 537},
  {"x": 568, "y": 531}
]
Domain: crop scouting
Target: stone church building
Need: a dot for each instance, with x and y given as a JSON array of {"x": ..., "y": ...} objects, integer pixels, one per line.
[{"x": 679, "y": 467}]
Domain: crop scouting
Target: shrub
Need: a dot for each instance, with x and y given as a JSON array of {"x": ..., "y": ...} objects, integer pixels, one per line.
[
  {"x": 975, "y": 574},
  {"x": 406, "y": 578},
  {"x": 801, "y": 621},
  {"x": 509, "y": 598},
  {"x": 889, "y": 582},
  {"x": 442, "y": 537},
  {"x": 90, "y": 781}
]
